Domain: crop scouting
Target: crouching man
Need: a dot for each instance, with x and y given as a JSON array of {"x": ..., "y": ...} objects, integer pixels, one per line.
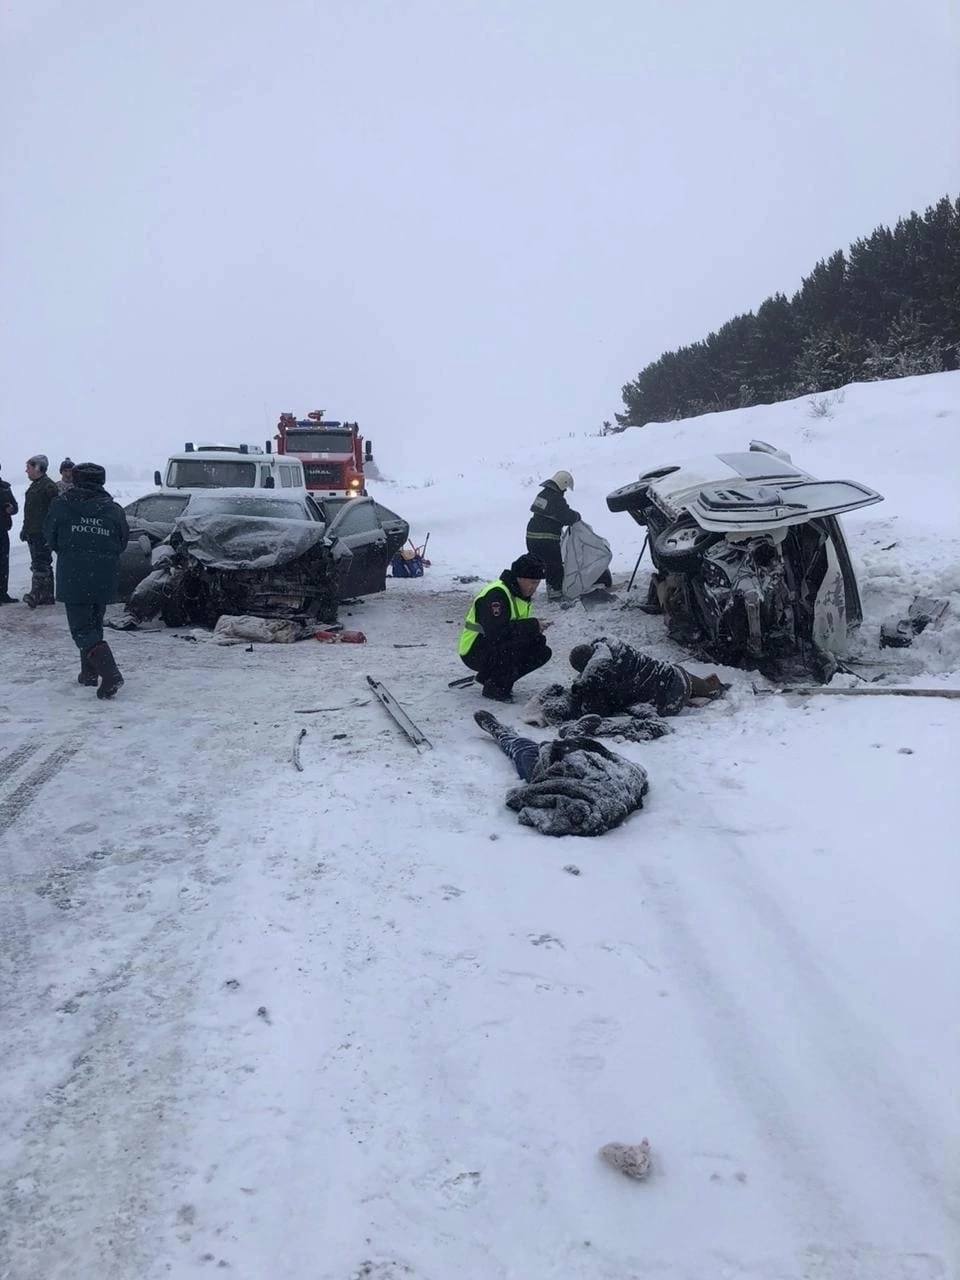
[
  {"x": 501, "y": 640},
  {"x": 88, "y": 531},
  {"x": 614, "y": 676}
]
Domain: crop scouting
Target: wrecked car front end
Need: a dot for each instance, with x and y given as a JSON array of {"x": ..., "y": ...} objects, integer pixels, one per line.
[{"x": 224, "y": 564}]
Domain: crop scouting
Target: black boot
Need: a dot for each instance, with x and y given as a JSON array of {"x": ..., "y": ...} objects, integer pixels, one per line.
[
  {"x": 103, "y": 663},
  {"x": 489, "y": 723},
  {"x": 88, "y": 675},
  {"x": 497, "y": 692}
]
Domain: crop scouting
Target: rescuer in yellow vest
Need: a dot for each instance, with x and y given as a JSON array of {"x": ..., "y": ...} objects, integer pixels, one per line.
[{"x": 501, "y": 640}]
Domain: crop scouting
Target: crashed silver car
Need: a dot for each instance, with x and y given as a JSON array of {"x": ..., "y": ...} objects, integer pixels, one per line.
[{"x": 751, "y": 565}]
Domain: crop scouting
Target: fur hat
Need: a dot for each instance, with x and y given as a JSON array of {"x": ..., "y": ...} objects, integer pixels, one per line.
[
  {"x": 563, "y": 480},
  {"x": 66, "y": 465},
  {"x": 89, "y": 475},
  {"x": 528, "y": 566}
]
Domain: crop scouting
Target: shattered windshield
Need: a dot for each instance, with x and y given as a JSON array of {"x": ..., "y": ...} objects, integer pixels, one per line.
[{"x": 197, "y": 473}]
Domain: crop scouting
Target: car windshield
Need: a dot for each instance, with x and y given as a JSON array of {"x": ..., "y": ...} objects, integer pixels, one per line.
[
  {"x": 162, "y": 508},
  {"x": 210, "y": 473},
  {"x": 254, "y": 504},
  {"x": 319, "y": 442}
]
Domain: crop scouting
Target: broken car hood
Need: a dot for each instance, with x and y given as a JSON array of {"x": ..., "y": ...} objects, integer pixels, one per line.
[{"x": 248, "y": 542}]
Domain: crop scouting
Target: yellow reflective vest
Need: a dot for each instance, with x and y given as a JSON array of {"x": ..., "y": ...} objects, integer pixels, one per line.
[{"x": 519, "y": 608}]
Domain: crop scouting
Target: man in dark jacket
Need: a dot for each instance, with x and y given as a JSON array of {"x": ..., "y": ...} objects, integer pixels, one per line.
[
  {"x": 88, "y": 531},
  {"x": 614, "y": 676},
  {"x": 551, "y": 514},
  {"x": 36, "y": 504},
  {"x": 501, "y": 640},
  {"x": 8, "y": 509}
]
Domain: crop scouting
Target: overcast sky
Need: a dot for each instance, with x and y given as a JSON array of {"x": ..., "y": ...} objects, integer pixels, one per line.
[{"x": 467, "y": 221}]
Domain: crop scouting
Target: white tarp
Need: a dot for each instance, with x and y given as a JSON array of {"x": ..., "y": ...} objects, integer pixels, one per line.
[
  {"x": 245, "y": 630},
  {"x": 586, "y": 557}
]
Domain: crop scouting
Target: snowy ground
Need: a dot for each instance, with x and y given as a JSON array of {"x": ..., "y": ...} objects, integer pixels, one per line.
[{"x": 356, "y": 1022}]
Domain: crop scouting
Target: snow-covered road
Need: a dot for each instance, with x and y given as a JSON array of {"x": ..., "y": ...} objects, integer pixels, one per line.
[{"x": 356, "y": 1022}]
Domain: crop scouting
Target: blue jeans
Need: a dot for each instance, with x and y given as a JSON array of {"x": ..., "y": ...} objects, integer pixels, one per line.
[
  {"x": 522, "y": 751},
  {"x": 86, "y": 624}
]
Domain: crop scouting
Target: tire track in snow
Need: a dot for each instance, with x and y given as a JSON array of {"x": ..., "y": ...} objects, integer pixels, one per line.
[
  {"x": 738, "y": 1048},
  {"x": 23, "y": 796},
  {"x": 14, "y": 934},
  {"x": 11, "y": 763},
  {"x": 722, "y": 892},
  {"x": 857, "y": 1059}
]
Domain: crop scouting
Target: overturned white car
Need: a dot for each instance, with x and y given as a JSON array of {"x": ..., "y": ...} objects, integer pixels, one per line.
[{"x": 751, "y": 565}]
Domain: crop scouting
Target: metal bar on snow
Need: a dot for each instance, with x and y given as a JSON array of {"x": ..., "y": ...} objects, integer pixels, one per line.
[
  {"x": 397, "y": 714},
  {"x": 807, "y": 691}
]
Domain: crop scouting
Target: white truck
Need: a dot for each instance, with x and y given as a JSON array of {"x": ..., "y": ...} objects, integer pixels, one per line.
[{"x": 229, "y": 466}]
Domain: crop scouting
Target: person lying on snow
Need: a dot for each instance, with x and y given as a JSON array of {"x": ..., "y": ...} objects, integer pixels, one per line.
[
  {"x": 616, "y": 693},
  {"x": 501, "y": 640},
  {"x": 614, "y": 676},
  {"x": 571, "y": 786}
]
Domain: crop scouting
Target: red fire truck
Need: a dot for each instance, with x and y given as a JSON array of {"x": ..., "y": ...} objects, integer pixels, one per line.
[{"x": 332, "y": 453}]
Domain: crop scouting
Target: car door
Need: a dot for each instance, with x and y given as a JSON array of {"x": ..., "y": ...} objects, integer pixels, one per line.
[
  {"x": 356, "y": 525},
  {"x": 744, "y": 505},
  {"x": 395, "y": 527}
]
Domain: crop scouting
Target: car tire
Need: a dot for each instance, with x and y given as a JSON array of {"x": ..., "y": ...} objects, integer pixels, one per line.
[
  {"x": 629, "y": 498},
  {"x": 679, "y": 548}
]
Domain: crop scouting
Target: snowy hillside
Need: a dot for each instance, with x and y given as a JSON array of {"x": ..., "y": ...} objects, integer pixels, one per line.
[{"x": 356, "y": 1023}]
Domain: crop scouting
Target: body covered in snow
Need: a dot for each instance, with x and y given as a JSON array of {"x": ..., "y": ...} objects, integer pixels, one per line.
[
  {"x": 752, "y": 568},
  {"x": 578, "y": 787}
]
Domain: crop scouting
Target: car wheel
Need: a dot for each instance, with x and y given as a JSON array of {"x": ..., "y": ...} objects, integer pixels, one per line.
[
  {"x": 680, "y": 547},
  {"x": 629, "y": 498}
]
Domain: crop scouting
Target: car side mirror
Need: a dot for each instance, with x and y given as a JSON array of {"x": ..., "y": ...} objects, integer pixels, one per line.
[{"x": 156, "y": 479}]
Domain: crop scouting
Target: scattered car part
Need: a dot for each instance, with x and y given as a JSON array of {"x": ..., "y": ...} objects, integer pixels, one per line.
[
  {"x": 859, "y": 691},
  {"x": 347, "y": 706},
  {"x": 397, "y": 714},
  {"x": 301, "y": 734},
  {"x": 924, "y": 611},
  {"x": 462, "y": 682}
]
